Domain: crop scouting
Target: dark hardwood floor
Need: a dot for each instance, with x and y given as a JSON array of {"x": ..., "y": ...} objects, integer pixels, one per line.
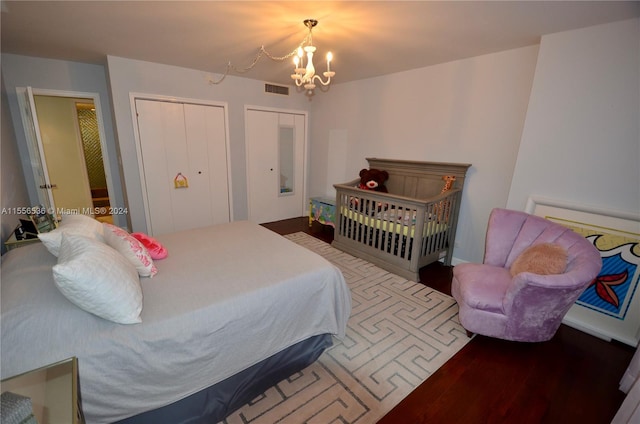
[{"x": 572, "y": 378}]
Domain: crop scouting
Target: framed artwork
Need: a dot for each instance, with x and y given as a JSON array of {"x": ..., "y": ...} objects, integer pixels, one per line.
[{"x": 610, "y": 306}]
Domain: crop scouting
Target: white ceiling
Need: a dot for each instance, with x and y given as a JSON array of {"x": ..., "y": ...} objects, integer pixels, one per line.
[{"x": 367, "y": 38}]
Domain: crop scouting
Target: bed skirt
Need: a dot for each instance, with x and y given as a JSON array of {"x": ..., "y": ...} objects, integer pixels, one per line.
[{"x": 215, "y": 403}]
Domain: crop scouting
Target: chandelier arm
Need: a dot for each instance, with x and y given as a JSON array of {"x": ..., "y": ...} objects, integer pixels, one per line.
[{"x": 320, "y": 80}]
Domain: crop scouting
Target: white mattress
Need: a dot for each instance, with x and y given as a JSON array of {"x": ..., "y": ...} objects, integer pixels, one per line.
[{"x": 227, "y": 297}]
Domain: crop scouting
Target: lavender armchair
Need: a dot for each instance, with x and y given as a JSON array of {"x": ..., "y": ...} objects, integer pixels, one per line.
[{"x": 526, "y": 307}]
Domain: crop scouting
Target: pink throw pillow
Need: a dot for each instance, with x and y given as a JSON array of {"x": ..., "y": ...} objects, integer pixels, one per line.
[{"x": 155, "y": 248}]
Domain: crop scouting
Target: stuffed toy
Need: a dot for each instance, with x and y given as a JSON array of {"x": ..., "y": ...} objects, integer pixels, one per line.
[
  {"x": 373, "y": 179},
  {"x": 442, "y": 208},
  {"x": 448, "y": 183}
]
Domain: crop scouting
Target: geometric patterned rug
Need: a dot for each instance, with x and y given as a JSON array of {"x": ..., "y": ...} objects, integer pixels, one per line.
[{"x": 399, "y": 333}]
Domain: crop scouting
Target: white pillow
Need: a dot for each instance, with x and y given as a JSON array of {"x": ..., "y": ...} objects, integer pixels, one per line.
[
  {"x": 130, "y": 248},
  {"x": 71, "y": 224},
  {"x": 98, "y": 279}
]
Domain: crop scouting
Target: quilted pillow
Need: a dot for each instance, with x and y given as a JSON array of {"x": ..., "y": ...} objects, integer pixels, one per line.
[
  {"x": 71, "y": 224},
  {"x": 130, "y": 248},
  {"x": 543, "y": 259},
  {"x": 98, "y": 279}
]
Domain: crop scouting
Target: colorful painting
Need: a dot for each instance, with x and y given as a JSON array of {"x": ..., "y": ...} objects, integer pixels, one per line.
[
  {"x": 611, "y": 292},
  {"x": 610, "y": 306}
]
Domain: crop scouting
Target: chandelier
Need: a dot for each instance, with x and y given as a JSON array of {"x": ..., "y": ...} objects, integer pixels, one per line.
[
  {"x": 303, "y": 75},
  {"x": 306, "y": 75}
]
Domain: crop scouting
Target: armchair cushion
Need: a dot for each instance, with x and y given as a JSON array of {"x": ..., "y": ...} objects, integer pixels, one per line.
[
  {"x": 542, "y": 259},
  {"x": 484, "y": 287}
]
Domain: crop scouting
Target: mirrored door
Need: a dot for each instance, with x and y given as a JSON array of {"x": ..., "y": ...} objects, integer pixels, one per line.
[
  {"x": 287, "y": 160},
  {"x": 276, "y": 162}
]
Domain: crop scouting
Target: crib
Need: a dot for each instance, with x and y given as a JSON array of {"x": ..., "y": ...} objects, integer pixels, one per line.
[{"x": 411, "y": 226}]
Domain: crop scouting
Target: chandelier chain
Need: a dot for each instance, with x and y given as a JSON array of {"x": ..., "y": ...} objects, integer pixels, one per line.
[{"x": 231, "y": 67}]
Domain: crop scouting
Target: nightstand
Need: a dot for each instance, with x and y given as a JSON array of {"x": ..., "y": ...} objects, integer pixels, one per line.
[
  {"x": 13, "y": 243},
  {"x": 51, "y": 390},
  {"x": 31, "y": 227}
]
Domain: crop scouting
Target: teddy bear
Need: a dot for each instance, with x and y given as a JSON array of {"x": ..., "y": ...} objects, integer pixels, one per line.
[{"x": 373, "y": 179}]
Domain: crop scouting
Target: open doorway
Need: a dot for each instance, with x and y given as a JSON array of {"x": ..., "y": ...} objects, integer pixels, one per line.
[
  {"x": 66, "y": 148},
  {"x": 93, "y": 160}
]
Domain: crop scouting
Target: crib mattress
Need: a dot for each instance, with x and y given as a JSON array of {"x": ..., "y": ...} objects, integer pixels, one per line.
[{"x": 402, "y": 222}]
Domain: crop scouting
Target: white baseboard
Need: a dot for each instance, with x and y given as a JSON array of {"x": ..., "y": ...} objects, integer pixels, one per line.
[
  {"x": 456, "y": 261},
  {"x": 585, "y": 328}
]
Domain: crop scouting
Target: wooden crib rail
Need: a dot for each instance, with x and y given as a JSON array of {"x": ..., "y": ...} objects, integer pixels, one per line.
[{"x": 351, "y": 189}]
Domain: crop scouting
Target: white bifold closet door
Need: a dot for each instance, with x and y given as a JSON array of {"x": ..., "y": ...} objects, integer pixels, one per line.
[
  {"x": 275, "y": 143},
  {"x": 184, "y": 165}
]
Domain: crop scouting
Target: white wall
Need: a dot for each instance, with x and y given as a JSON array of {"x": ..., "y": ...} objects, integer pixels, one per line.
[
  {"x": 126, "y": 76},
  {"x": 581, "y": 139},
  {"x": 23, "y": 71},
  {"x": 12, "y": 186},
  {"x": 469, "y": 111}
]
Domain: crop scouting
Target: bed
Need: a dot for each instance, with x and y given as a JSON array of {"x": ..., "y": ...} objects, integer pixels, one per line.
[
  {"x": 411, "y": 226},
  {"x": 232, "y": 310}
]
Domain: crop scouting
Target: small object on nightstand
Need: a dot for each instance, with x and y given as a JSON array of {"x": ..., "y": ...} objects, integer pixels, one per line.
[
  {"x": 44, "y": 395},
  {"x": 20, "y": 233},
  {"x": 16, "y": 409},
  {"x": 43, "y": 222}
]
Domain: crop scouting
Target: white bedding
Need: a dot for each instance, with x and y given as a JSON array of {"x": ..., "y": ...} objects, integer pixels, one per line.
[{"x": 227, "y": 297}]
